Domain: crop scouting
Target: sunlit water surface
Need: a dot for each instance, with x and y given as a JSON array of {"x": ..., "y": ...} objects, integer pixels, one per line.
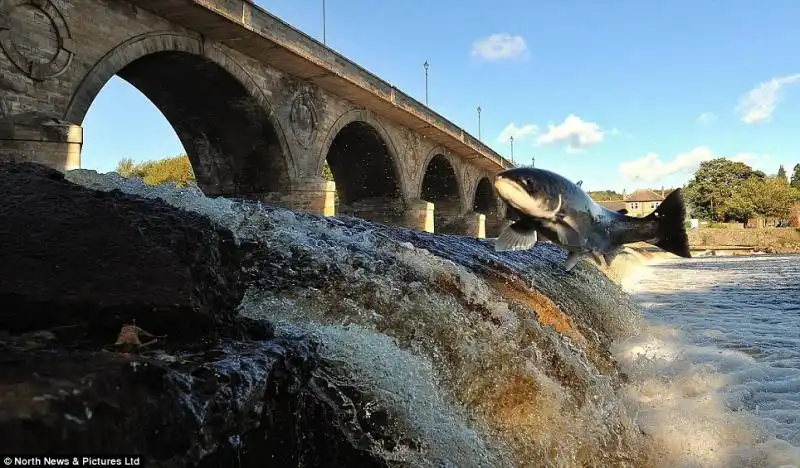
[{"x": 716, "y": 372}]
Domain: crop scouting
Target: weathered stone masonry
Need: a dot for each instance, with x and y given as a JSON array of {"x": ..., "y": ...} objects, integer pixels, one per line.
[{"x": 258, "y": 106}]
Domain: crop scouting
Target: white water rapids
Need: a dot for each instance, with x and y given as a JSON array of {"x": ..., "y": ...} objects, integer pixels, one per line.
[
  {"x": 503, "y": 360},
  {"x": 716, "y": 368}
]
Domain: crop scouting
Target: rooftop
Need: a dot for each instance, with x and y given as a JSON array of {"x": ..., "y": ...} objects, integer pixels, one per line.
[
  {"x": 613, "y": 205},
  {"x": 644, "y": 195}
]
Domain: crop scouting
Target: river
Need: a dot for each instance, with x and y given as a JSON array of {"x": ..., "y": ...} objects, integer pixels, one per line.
[
  {"x": 716, "y": 368},
  {"x": 487, "y": 359}
]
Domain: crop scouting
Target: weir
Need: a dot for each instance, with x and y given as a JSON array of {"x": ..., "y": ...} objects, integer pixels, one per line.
[
  {"x": 333, "y": 339},
  {"x": 482, "y": 358}
]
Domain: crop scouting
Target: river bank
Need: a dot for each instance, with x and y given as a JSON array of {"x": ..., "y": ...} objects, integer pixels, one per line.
[{"x": 766, "y": 240}]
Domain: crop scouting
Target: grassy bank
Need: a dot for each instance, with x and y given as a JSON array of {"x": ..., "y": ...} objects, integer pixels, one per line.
[{"x": 771, "y": 240}]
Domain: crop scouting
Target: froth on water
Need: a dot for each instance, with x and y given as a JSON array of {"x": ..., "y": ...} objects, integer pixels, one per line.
[
  {"x": 487, "y": 359},
  {"x": 716, "y": 368}
]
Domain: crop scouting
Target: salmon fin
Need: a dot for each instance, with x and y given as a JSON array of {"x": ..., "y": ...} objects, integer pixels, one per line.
[
  {"x": 518, "y": 236},
  {"x": 572, "y": 260}
]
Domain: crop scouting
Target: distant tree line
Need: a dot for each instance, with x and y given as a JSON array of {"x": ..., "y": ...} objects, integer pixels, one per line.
[
  {"x": 177, "y": 169},
  {"x": 725, "y": 190},
  {"x": 605, "y": 195}
]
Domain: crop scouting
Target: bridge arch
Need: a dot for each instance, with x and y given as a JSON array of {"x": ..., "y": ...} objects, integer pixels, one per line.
[
  {"x": 486, "y": 202},
  {"x": 365, "y": 167},
  {"x": 441, "y": 186},
  {"x": 221, "y": 116}
]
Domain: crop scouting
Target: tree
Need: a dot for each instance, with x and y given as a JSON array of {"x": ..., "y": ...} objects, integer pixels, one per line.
[
  {"x": 781, "y": 172},
  {"x": 741, "y": 206},
  {"x": 710, "y": 190},
  {"x": 327, "y": 173},
  {"x": 796, "y": 176},
  {"x": 176, "y": 169},
  {"x": 605, "y": 195},
  {"x": 773, "y": 198}
]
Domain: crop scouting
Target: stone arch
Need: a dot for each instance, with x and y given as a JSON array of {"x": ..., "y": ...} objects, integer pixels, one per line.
[
  {"x": 441, "y": 186},
  {"x": 369, "y": 123},
  {"x": 223, "y": 119},
  {"x": 486, "y": 202},
  {"x": 363, "y": 160}
]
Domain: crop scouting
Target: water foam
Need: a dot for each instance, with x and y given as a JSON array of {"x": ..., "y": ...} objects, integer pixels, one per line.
[
  {"x": 495, "y": 360},
  {"x": 710, "y": 382}
]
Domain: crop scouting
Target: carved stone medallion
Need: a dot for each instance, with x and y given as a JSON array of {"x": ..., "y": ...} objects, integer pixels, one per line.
[
  {"x": 410, "y": 152},
  {"x": 35, "y": 37},
  {"x": 303, "y": 119}
]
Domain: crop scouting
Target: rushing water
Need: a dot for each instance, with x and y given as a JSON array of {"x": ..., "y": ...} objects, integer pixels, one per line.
[
  {"x": 503, "y": 360},
  {"x": 717, "y": 368}
]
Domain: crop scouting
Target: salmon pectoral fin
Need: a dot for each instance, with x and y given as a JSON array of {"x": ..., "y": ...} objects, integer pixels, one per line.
[
  {"x": 518, "y": 236},
  {"x": 572, "y": 260}
]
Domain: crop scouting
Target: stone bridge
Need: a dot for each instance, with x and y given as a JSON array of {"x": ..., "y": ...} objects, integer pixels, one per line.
[{"x": 258, "y": 105}]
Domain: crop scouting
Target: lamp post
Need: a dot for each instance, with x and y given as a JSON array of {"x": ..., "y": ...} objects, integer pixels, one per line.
[
  {"x": 324, "y": 42},
  {"x": 426, "y": 81},
  {"x": 512, "y": 149},
  {"x": 533, "y": 161},
  {"x": 479, "y": 123}
]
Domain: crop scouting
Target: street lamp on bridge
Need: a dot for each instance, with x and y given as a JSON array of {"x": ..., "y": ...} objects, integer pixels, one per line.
[
  {"x": 533, "y": 161},
  {"x": 512, "y": 149},
  {"x": 426, "y": 81},
  {"x": 323, "y": 23},
  {"x": 479, "y": 123}
]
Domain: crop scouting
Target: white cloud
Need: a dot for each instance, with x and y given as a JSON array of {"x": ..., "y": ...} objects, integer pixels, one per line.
[
  {"x": 576, "y": 133},
  {"x": 707, "y": 118},
  {"x": 519, "y": 133},
  {"x": 652, "y": 168},
  {"x": 499, "y": 47},
  {"x": 758, "y": 104}
]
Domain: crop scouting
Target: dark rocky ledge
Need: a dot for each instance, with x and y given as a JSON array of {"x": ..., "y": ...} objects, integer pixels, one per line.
[{"x": 210, "y": 389}]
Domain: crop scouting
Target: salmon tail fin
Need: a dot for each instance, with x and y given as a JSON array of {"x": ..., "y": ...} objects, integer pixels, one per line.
[{"x": 669, "y": 216}]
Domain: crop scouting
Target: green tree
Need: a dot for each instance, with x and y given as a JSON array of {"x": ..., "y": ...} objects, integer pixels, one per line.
[
  {"x": 741, "y": 206},
  {"x": 714, "y": 183},
  {"x": 772, "y": 197},
  {"x": 796, "y": 176},
  {"x": 126, "y": 168},
  {"x": 177, "y": 169},
  {"x": 605, "y": 195},
  {"x": 327, "y": 173},
  {"x": 781, "y": 172}
]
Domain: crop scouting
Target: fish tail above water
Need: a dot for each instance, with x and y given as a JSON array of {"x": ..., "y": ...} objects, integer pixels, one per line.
[{"x": 669, "y": 218}]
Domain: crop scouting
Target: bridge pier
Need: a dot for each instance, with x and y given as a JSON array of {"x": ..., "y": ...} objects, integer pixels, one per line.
[
  {"x": 448, "y": 218},
  {"x": 312, "y": 194},
  {"x": 54, "y": 143},
  {"x": 415, "y": 214},
  {"x": 492, "y": 225},
  {"x": 419, "y": 214},
  {"x": 474, "y": 225}
]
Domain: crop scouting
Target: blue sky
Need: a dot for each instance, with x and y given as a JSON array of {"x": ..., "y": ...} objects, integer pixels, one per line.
[{"x": 608, "y": 92}]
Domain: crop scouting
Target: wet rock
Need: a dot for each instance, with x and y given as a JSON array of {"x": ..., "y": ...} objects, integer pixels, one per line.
[
  {"x": 235, "y": 403},
  {"x": 73, "y": 255},
  {"x": 119, "y": 335}
]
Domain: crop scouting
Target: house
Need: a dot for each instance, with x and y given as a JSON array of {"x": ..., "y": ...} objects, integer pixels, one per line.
[
  {"x": 613, "y": 205},
  {"x": 642, "y": 202}
]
